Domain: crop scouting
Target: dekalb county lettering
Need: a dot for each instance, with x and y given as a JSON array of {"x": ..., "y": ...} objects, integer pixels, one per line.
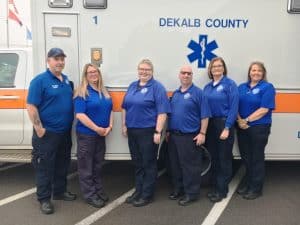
[
  {"x": 179, "y": 22},
  {"x": 209, "y": 23}
]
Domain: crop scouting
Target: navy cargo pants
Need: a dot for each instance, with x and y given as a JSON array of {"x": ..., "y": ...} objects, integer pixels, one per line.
[
  {"x": 185, "y": 163},
  {"x": 221, "y": 152},
  {"x": 144, "y": 156},
  {"x": 252, "y": 143},
  {"x": 51, "y": 157}
]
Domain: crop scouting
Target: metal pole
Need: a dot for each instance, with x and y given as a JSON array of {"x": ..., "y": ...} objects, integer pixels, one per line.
[{"x": 7, "y": 27}]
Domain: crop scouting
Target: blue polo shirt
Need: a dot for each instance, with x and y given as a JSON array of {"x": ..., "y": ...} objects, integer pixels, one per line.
[
  {"x": 143, "y": 104},
  {"x": 187, "y": 110},
  {"x": 251, "y": 99},
  {"x": 53, "y": 99},
  {"x": 223, "y": 99},
  {"x": 96, "y": 107}
]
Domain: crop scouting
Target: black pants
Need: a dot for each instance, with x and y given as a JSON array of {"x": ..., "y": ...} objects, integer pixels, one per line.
[
  {"x": 252, "y": 143},
  {"x": 144, "y": 156},
  {"x": 221, "y": 152},
  {"x": 90, "y": 157},
  {"x": 185, "y": 164},
  {"x": 51, "y": 157}
]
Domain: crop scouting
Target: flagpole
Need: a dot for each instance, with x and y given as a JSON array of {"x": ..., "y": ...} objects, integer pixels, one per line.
[{"x": 7, "y": 28}]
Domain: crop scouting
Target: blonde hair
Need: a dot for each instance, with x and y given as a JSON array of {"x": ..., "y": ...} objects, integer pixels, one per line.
[
  {"x": 82, "y": 89},
  {"x": 148, "y": 62}
]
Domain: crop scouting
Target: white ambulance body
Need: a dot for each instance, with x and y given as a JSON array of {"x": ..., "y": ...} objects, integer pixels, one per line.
[
  {"x": 118, "y": 34},
  {"x": 15, "y": 73}
]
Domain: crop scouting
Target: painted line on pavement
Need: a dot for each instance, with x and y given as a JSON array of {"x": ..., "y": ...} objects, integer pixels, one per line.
[
  {"x": 25, "y": 193},
  {"x": 101, "y": 212},
  {"x": 11, "y": 166},
  {"x": 219, "y": 207}
]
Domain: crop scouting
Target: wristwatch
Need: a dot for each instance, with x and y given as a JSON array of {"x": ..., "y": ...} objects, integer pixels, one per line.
[{"x": 157, "y": 132}]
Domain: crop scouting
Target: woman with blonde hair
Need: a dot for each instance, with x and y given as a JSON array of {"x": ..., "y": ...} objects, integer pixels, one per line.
[
  {"x": 145, "y": 107},
  {"x": 93, "y": 110}
]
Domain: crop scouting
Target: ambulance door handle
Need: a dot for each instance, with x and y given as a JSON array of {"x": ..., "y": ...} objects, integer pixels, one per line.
[{"x": 9, "y": 97}]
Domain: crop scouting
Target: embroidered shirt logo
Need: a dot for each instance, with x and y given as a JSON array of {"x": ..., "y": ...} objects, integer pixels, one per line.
[
  {"x": 220, "y": 88},
  {"x": 144, "y": 90},
  {"x": 54, "y": 85},
  {"x": 187, "y": 96},
  {"x": 255, "y": 91}
]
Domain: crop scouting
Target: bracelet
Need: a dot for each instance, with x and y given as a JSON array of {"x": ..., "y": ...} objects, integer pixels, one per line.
[
  {"x": 202, "y": 133},
  {"x": 247, "y": 119}
]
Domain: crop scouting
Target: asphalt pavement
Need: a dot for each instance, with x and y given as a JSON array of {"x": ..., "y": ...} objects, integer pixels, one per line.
[{"x": 279, "y": 205}]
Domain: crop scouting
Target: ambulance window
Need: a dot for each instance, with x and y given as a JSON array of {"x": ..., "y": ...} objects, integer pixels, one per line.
[
  {"x": 95, "y": 4},
  {"x": 8, "y": 69},
  {"x": 294, "y": 6},
  {"x": 60, "y": 3}
]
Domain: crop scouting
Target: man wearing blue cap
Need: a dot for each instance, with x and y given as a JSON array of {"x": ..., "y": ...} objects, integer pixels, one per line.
[{"x": 50, "y": 109}]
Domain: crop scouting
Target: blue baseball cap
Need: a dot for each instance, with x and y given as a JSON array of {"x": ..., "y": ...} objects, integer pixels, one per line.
[{"x": 55, "y": 52}]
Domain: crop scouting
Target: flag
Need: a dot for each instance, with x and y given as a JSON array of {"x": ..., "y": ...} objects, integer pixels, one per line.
[
  {"x": 13, "y": 16},
  {"x": 12, "y": 2},
  {"x": 28, "y": 34}
]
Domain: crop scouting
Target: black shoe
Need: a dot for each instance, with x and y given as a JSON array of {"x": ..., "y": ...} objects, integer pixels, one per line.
[
  {"x": 252, "y": 195},
  {"x": 211, "y": 194},
  {"x": 175, "y": 195},
  {"x": 217, "y": 197},
  {"x": 46, "y": 207},
  {"x": 186, "y": 200},
  {"x": 141, "y": 202},
  {"x": 242, "y": 190},
  {"x": 103, "y": 196},
  {"x": 66, "y": 196},
  {"x": 131, "y": 198},
  {"x": 96, "y": 202}
]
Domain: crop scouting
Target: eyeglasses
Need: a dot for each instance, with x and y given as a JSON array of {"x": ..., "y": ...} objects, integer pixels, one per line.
[
  {"x": 217, "y": 66},
  {"x": 144, "y": 69},
  {"x": 186, "y": 72},
  {"x": 92, "y": 72}
]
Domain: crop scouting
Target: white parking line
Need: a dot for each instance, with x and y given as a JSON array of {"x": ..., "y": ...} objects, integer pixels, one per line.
[
  {"x": 17, "y": 196},
  {"x": 11, "y": 166},
  {"x": 219, "y": 207},
  {"x": 101, "y": 212},
  {"x": 25, "y": 193}
]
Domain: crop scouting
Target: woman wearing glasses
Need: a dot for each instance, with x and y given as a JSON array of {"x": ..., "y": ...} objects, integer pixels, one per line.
[
  {"x": 257, "y": 100},
  {"x": 145, "y": 107},
  {"x": 222, "y": 95},
  {"x": 93, "y": 109}
]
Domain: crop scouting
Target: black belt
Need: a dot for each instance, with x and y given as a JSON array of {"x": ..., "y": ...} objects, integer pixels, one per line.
[
  {"x": 218, "y": 118},
  {"x": 178, "y": 132}
]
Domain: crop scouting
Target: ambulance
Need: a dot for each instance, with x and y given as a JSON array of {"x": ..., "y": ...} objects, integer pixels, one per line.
[{"x": 116, "y": 35}]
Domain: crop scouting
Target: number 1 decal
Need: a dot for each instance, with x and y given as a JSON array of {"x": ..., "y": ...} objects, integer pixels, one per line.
[{"x": 95, "y": 19}]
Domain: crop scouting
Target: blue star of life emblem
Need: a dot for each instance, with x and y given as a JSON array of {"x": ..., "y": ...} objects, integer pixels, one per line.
[{"x": 202, "y": 50}]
